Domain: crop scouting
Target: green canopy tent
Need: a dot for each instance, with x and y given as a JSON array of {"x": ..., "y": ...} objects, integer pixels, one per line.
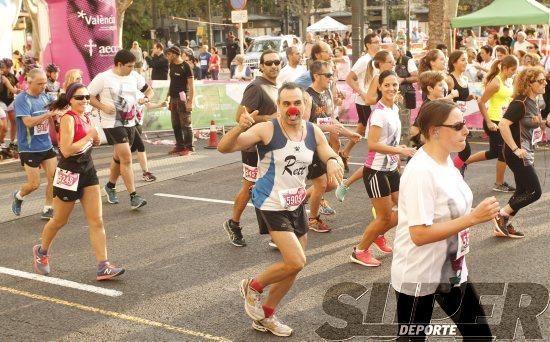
[{"x": 506, "y": 12}]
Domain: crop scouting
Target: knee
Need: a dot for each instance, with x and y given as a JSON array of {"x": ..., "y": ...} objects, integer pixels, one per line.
[
  {"x": 95, "y": 222},
  {"x": 320, "y": 184},
  {"x": 124, "y": 158},
  {"x": 384, "y": 218},
  {"x": 186, "y": 121},
  {"x": 295, "y": 266},
  {"x": 57, "y": 223},
  {"x": 34, "y": 184}
]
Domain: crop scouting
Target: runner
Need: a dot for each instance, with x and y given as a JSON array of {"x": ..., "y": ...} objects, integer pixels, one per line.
[
  {"x": 52, "y": 73},
  {"x": 520, "y": 130},
  {"x": 6, "y": 99},
  {"x": 432, "y": 236},
  {"x": 456, "y": 80},
  {"x": 76, "y": 179},
  {"x": 498, "y": 92},
  {"x": 355, "y": 81},
  {"x": 285, "y": 146},
  {"x": 181, "y": 94},
  {"x": 114, "y": 92},
  {"x": 260, "y": 99},
  {"x": 381, "y": 175},
  {"x": 35, "y": 145},
  {"x": 322, "y": 110}
]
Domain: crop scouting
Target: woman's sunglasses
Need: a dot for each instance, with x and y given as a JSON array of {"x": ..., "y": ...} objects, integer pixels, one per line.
[
  {"x": 457, "y": 126},
  {"x": 81, "y": 97}
]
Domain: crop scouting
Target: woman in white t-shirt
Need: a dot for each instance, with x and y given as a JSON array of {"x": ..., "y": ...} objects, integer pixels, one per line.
[
  {"x": 380, "y": 173},
  {"x": 432, "y": 235}
]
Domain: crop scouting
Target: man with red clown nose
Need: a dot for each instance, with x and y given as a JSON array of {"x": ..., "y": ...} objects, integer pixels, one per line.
[{"x": 286, "y": 145}]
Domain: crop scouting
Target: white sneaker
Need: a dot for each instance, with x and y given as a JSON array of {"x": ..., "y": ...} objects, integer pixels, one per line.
[
  {"x": 273, "y": 325},
  {"x": 252, "y": 301}
]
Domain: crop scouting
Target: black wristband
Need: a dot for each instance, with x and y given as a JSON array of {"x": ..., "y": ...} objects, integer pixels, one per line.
[
  {"x": 515, "y": 149},
  {"x": 335, "y": 158}
]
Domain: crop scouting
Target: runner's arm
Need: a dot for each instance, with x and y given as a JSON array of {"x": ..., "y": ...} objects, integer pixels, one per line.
[
  {"x": 335, "y": 166},
  {"x": 243, "y": 135},
  {"x": 66, "y": 144},
  {"x": 31, "y": 121}
]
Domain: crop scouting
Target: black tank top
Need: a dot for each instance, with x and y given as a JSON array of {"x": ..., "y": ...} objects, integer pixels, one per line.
[{"x": 463, "y": 92}]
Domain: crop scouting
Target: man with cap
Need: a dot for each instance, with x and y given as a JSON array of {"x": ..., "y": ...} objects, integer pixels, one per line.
[{"x": 181, "y": 101}]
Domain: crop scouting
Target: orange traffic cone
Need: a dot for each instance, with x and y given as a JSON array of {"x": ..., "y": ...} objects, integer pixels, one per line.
[{"x": 213, "y": 139}]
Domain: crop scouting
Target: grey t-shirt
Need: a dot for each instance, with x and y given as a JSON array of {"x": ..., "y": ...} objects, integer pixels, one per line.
[
  {"x": 260, "y": 95},
  {"x": 521, "y": 112}
]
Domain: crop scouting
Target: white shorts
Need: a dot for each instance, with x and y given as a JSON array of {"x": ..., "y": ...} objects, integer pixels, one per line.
[{"x": 2, "y": 112}]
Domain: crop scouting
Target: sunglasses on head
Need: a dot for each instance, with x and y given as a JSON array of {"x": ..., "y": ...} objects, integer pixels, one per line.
[
  {"x": 270, "y": 63},
  {"x": 81, "y": 97},
  {"x": 457, "y": 126}
]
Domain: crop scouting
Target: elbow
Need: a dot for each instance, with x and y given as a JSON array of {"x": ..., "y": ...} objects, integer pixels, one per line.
[
  {"x": 417, "y": 238},
  {"x": 64, "y": 152}
]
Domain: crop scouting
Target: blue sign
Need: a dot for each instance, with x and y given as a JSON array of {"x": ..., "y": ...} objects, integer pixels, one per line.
[{"x": 238, "y": 4}]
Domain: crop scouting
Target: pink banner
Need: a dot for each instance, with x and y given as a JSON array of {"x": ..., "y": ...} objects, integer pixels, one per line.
[{"x": 83, "y": 36}]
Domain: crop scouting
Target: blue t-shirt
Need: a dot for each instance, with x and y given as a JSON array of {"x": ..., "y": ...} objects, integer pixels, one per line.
[
  {"x": 304, "y": 80},
  {"x": 204, "y": 59},
  {"x": 37, "y": 138}
]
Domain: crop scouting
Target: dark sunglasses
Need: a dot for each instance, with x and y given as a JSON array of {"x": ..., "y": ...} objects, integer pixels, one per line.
[
  {"x": 270, "y": 63},
  {"x": 327, "y": 74},
  {"x": 541, "y": 81},
  {"x": 81, "y": 97},
  {"x": 457, "y": 126}
]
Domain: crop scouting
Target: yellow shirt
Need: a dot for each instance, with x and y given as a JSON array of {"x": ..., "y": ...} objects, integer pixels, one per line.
[{"x": 500, "y": 100}]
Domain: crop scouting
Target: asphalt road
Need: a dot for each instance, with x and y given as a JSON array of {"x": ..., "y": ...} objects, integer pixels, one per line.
[{"x": 182, "y": 274}]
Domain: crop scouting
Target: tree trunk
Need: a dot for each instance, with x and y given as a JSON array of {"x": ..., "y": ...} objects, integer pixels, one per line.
[
  {"x": 121, "y": 7},
  {"x": 437, "y": 22},
  {"x": 451, "y": 12}
]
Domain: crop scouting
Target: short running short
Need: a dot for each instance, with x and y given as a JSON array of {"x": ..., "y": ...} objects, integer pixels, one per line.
[
  {"x": 317, "y": 167},
  {"x": 138, "y": 144},
  {"x": 120, "y": 135},
  {"x": 34, "y": 159},
  {"x": 250, "y": 165},
  {"x": 363, "y": 113},
  {"x": 380, "y": 183},
  {"x": 87, "y": 178},
  {"x": 283, "y": 221}
]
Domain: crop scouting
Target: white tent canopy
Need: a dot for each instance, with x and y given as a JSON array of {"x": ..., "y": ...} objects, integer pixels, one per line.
[{"x": 327, "y": 24}]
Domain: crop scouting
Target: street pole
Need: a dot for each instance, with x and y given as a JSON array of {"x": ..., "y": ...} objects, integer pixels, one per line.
[
  {"x": 210, "y": 34},
  {"x": 241, "y": 38},
  {"x": 356, "y": 29},
  {"x": 408, "y": 25}
]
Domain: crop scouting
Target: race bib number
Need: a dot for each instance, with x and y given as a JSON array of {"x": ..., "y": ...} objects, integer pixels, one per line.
[
  {"x": 66, "y": 179},
  {"x": 392, "y": 158},
  {"x": 537, "y": 136},
  {"x": 292, "y": 198},
  {"x": 204, "y": 62},
  {"x": 250, "y": 173},
  {"x": 504, "y": 109},
  {"x": 463, "y": 243},
  {"x": 461, "y": 105},
  {"x": 324, "y": 121},
  {"x": 42, "y": 128}
]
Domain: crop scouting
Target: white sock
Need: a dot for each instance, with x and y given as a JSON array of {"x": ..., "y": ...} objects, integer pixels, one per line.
[
  {"x": 46, "y": 207},
  {"x": 503, "y": 213},
  {"x": 18, "y": 196}
]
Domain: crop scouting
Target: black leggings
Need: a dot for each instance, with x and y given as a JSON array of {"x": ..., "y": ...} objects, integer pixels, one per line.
[
  {"x": 461, "y": 304},
  {"x": 466, "y": 152},
  {"x": 527, "y": 182},
  {"x": 495, "y": 143}
]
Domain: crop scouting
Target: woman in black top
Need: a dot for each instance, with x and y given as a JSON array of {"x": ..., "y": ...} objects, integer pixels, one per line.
[
  {"x": 458, "y": 61},
  {"x": 520, "y": 128}
]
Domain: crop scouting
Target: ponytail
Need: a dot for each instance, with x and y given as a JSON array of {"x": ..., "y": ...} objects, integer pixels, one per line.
[
  {"x": 380, "y": 57},
  {"x": 425, "y": 62},
  {"x": 509, "y": 61},
  {"x": 62, "y": 102}
]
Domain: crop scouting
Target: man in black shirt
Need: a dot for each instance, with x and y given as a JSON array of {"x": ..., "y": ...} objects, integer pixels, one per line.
[
  {"x": 181, "y": 101},
  {"x": 259, "y": 99},
  {"x": 506, "y": 39},
  {"x": 158, "y": 63}
]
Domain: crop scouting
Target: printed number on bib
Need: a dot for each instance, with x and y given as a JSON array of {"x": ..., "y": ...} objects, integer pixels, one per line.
[
  {"x": 66, "y": 179},
  {"x": 393, "y": 158},
  {"x": 292, "y": 198},
  {"x": 250, "y": 173},
  {"x": 463, "y": 243},
  {"x": 537, "y": 135},
  {"x": 42, "y": 128},
  {"x": 324, "y": 121}
]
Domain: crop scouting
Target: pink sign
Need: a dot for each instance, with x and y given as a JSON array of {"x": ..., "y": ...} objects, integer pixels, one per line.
[{"x": 83, "y": 36}]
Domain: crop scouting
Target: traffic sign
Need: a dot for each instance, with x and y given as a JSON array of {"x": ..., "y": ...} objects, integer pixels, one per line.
[
  {"x": 238, "y": 4},
  {"x": 239, "y": 17}
]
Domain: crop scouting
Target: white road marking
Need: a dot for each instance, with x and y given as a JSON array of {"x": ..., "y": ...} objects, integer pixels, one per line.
[
  {"x": 61, "y": 282},
  {"x": 352, "y": 163},
  {"x": 200, "y": 199}
]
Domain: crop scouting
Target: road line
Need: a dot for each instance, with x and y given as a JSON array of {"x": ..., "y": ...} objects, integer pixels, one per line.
[
  {"x": 114, "y": 314},
  {"x": 201, "y": 199},
  {"x": 353, "y": 163},
  {"x": 61, "y": 282}
]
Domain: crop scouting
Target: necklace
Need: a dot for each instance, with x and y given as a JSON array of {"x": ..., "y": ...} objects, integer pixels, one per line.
[{"x": 297, "y": 147}]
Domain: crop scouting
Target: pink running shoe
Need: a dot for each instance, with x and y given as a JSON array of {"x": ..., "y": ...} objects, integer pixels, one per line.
[
  {"x": 381, "y": 244},
  {"x": 364, "y": 258}
]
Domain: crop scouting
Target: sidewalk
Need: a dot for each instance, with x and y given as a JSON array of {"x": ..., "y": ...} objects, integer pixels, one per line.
[{"x": 162, "y": 165}]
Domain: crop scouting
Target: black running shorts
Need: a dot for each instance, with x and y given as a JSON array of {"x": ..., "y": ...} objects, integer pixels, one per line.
[
  {"x": 283, "y": 221},
  {"x": 120, "y": 135},
  {"x": 34, "y": 159},
  {"x": 363, "y": 113},
  {"x": 87, "y": 178},
  {"x": 380, "y": 183},
  {"x": 317, "y": 167},
  {"x": 250, "y": 165}
]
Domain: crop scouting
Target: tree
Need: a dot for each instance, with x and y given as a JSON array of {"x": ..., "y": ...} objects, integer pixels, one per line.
[
  {"x": 121, "y": 7},
  {"x": 437, "y": 22}
]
